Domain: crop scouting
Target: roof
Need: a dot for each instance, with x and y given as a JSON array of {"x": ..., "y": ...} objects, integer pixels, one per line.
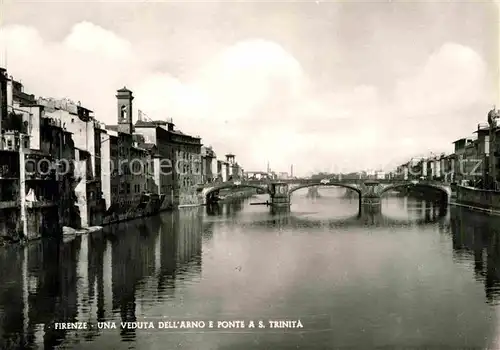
[
  {"x": 124, "y": 89},
  {"x": 462, "y": 139},
  {"x": 482, "y": 128},
  {"x": 148, "y": 146},
  {"x": 84, "y": 108},
  {"x": 112, "y": 127},
  {"x": 152, "y": 123}
]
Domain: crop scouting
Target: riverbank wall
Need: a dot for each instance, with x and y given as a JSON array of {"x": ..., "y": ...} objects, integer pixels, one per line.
[
  {"x": 145, "y": 207},
  {"x": 477, "y": 199}
]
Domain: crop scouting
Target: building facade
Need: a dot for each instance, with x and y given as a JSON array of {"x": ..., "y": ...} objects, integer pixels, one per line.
[
  {"x": 37, "y": 181},
  {"x": 187, "y": 169},
  {"x": 127, "y": 167},
  {"x": 156, "y": 133},
  {"x": 179, "y": 166},
  {"x": 85, "y": 130},
  {"x": 493, "y": 180},
  {"x": 208, "y": 172}
]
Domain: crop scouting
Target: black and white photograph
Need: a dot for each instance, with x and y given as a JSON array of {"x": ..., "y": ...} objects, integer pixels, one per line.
[{"x": 257, "y": 174}]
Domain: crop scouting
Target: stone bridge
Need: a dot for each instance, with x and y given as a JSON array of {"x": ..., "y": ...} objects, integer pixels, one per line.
[{"x": 280, "y": 191}]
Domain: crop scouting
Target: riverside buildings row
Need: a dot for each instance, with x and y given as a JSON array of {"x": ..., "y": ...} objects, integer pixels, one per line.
[
  {"x": 60, "y": 166},
  {"x": 475, "y": 161}
]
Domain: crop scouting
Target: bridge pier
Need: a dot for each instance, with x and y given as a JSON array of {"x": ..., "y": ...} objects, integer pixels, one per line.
[
  {"x": 368, "y": 200},
  {"x": 369, "y": 208},
  {"x": 280, "y": 197},
  {"x": 212, "y": 197}
]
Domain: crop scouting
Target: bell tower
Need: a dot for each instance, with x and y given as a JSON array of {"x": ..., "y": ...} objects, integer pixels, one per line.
[{"x": 124, "y": 103}]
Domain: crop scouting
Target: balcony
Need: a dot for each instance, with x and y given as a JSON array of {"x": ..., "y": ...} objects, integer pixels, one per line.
[
  {"x": 41, "y": 204},
  {"x": 10, "y": 204}
]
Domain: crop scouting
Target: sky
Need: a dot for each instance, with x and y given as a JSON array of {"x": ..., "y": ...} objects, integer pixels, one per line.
[{"x": 325, "y": 86}]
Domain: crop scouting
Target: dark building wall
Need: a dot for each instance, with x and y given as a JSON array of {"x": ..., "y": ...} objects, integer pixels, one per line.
[
  {"x": 114, "y": 178},
  {"x": 188, "y": 168},
  {"x": 3, "y": 95}
]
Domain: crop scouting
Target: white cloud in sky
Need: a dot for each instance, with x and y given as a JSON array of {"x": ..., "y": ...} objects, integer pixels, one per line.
[
  {"x": 452, "y": 77},
  {"x": 255, "y": 100}
]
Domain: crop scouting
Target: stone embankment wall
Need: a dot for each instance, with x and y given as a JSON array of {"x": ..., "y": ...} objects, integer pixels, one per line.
[
  {"x": 190, "y": 198},
  {"x": 10, "y": 225},
  {"x": 138, "y": 210},
  {"x": 41, "y": 222},
  {"x": 485, "y": 199}
]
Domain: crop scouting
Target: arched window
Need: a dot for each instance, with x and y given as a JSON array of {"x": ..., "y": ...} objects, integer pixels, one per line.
[{"x": 123, "y": 112}]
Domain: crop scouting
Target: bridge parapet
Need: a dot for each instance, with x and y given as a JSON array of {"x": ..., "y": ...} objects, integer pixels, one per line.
[
  {"x": 369, "y": 191},
  {"x": 438, "y": 185}
]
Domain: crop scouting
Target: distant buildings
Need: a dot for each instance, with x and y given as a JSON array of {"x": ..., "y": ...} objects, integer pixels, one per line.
[
  {"x": 283, "y": 175},
  {"x": 475, "y": 160},
  {"x": 234, "y": 170}
]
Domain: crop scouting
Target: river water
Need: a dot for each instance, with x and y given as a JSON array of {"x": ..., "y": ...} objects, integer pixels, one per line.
[{"x": 415, "y": 275}]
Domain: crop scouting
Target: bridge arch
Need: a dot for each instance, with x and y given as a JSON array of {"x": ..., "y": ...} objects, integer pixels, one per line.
[
  {"x": 208, "y": 191},
  {"x": 331, "y": 184},
  {"x": 446, "y": 191}
]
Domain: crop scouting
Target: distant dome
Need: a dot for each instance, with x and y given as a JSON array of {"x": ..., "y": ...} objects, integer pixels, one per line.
[{"x": 493, "y": 114}]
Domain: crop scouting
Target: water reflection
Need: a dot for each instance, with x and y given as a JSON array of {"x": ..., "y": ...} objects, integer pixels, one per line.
[
  {"x": 116, "y": 275},
  {"x": 413, "y": 213},
  {"x": 229, "y": 209},
  {"x": 476, "y": 239},
  {"x": 332, "y": 264}
]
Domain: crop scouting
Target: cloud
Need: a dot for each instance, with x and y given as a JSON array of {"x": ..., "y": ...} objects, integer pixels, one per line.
[
  {"x": 255, "y": 99},
  {"x": 82, "y": 38},
  {"x": 451, "y": 79}
]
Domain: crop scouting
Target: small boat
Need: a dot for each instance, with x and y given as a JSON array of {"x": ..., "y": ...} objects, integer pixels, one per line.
[
  {"x": 189, "y": 205},
  {"x": 68, "y": 231},
  {"x": 260, "y": 203},
  {"x": 93, "y": 229},
  {"x": 72, "y": 232}
]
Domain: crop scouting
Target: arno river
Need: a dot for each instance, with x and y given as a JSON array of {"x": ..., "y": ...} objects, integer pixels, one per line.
[{"x": 414, "y": 276}]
